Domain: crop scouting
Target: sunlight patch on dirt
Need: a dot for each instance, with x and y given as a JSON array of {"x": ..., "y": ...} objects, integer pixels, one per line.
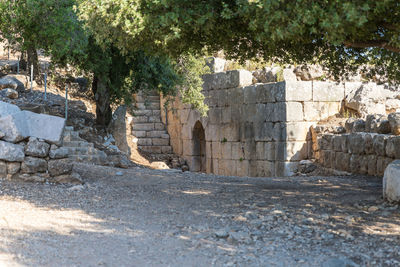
[{"x": 20, "y": 215}]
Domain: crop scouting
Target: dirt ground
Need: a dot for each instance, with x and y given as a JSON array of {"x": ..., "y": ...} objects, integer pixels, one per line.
[{"x": 142, "y": 217}]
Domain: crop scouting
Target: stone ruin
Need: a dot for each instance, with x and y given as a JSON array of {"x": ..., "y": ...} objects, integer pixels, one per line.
[{"x": 252, "y": 129}]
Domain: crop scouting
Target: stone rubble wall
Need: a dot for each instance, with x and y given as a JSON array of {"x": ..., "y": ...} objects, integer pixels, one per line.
[
  {"x": 253, "y": 130},
  {"x": 357, "y": 153}
]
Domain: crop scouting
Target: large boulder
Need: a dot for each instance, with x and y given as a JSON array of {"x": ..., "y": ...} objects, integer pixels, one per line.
[
  {"x": 46, "y": 127},
  {"x": 394, "y": 120},
  {"x": 8, "y": 109},
  {"x": 15, "y": 127},
  {"x": 13, "y": 81},
  {"x": 18, "y": 126},
  {"x": 9, "y": 93},
  {"x": 266, "y": 75},
  {"x": 11, "y": 152},
  {"x": 391, "y": 182},
  {"x": 36, "y": 148},
  {"x": 377, "y": 123},
  {"x": 59, "y": 167},
  {"x": 371, "y": 99},
  {"x": 216, "y": 64},
  {"x": 309, "y": 72},
  {"x": 33, "y": 165}
]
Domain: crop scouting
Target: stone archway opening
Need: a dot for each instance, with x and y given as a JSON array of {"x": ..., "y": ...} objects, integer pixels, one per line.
[{"x": 199, "y": 148}]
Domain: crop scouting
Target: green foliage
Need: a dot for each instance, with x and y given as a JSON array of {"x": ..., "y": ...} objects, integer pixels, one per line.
[
  {"x": 50, "y": 25},
  {"x": 340, "y": 34},
  {"x": 191, "y": 69}
]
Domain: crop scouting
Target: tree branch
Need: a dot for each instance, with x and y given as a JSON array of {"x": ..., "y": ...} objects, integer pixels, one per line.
[{"x": 383, "y": 44}]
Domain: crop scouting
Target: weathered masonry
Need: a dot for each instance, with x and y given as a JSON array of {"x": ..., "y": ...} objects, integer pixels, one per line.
[{"x": 252, "y": 130}]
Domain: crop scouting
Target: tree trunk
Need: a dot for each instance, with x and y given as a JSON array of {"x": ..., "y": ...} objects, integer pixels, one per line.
[
  {"x": 102, "y": 98},
  {"x": 33, "y": 61},
  {"x": 22, "y": 61}
]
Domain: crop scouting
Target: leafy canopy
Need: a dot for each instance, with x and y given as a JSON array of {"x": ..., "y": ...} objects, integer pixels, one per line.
[{"x": 341, "y": 34}]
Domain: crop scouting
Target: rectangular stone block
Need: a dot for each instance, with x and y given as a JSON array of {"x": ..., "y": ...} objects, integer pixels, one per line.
[
  {"x": 7, "y": 109},
  {"x": 138, "y": 119},
  {"x": 226, "y": 150},
  {"x": 355, "y": 163},
  {"x": 263, "y": 131},
  {"x": 187, "y": 146},
  {"x": 250, "y": 95},
  {"x": 215, "y": 115},
  {"x": 372, "y": 165},
  {"x": 160, "y": 142},
  {"x": 186, "y": 132},
  {"x": 264, "y": 112},
  {"x": 158, "y": 126},
  {"x": 11, "y": 152},
  {"x": 379, "y": 144},
  {"x": 265, "y": 168},
  {"x": 139, "y": 133},
  {"x": 265, "y": 93},
  {"x": 287, "y": 111},
  {"x": 242, "y": 168},
  {"x": 327, "y": 91},
  {"x": 228, "y": 79},
  {"x": 216, "y": 149},
  {"x": 250, "y": 150},
  {"x": 298, "y": 131},
  {"x": 209, "y": 150},
  {"x": 144, "y": 142},
  {"x": 265, "y": 151},
  {"x": 337, "y": 143},
  {"x": 311, "y": 111},
  {"x": 143, "y": 126},
  {"x": 342, "y": 161},
  {"x": 290, "y": 151},
  {"x": 183, "y": 115},
  {"x": 326, "y": 158},
  {"x": 237, "y": 151},
  {"x": 212, "y": 133},
  {"x": 215, "y": 166},
  {"x": 226, "y": 115},
  {"x": 294, "y": 111},
  {"x": 155, "y": 134},
  {"x": 297, "y": 91}
]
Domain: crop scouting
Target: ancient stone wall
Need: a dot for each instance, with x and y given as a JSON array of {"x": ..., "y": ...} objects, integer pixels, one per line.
[
  {"x": 251, "y": 129},
  {"x": 361, "y": 147},
  {"x": 358, "y": 153}
]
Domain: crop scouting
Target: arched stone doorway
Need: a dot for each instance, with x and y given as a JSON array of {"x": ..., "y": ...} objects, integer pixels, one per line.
[{"x": 199, "y": 148}]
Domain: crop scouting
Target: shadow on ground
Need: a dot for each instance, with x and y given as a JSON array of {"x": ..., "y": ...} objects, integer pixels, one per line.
[{"x": 147, "y": 217}]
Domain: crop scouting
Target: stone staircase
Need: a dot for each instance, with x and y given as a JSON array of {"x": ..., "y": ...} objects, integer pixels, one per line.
[
  {"x": 80, "y": 150},
  {"x": 148, "y": 128}
]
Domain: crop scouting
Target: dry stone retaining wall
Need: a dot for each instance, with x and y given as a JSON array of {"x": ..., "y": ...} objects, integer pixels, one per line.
[
  {"x": 359, "y": 153},
  {"x": 252, "y": 130}
]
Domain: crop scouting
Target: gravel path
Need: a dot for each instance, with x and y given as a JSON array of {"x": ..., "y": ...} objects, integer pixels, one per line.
[{"x": 168, "y": 218}]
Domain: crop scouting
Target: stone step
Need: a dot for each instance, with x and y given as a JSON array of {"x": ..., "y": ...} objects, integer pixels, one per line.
[
  {"x": 156, "y": 149},
  {"x": 78, "y": 144},
  {"x": 72, "y": 136},
  {"x": 140, "y": 119},
  {"x": 149, "y": 106},
  {"x": 146, "y": 112},
  {"x": 148, "y": 126},
  {"x": 143, "y": 98},
  {"x": 153, "y": 142},
  {"x": 151, "y": 134}
]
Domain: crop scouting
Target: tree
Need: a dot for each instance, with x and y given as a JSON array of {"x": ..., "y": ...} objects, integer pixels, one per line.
[
  {"x": 49, "y": 25},
  {"x": 53, "y": 27},
  {"x": 341, "y": 34}
]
